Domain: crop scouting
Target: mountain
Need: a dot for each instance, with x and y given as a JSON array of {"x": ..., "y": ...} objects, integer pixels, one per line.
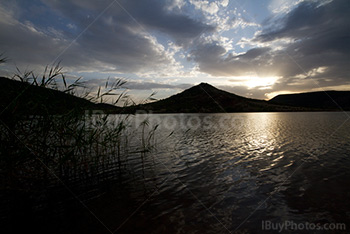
[
  {"x": 205, "y": 98},
  {"x": 22, "y": 98},
  {"x": 326, "y": 100}
]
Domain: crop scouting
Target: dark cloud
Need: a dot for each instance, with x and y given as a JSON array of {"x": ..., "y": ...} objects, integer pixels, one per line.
[
  {"x": 315, "y": 37},
  {"x": 321, "y": 30},
  {"x": 154, "y": 14},
  {"x": 212, "y": 58},
  {"x": 137, "y": 85},
  {"x": 151, "y": 15},
  {"x": 312, "y": 39},
  {"x": 118, "y": 40},
  {"x": 254, "y": 53},
  {"x": 310, "y": 19},
  {"x": 153, "y": 85}
]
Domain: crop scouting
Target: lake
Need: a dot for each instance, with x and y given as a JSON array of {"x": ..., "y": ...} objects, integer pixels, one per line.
[
  {"x": 226, "y": 173},
  {"x": 220, "y": 173}
]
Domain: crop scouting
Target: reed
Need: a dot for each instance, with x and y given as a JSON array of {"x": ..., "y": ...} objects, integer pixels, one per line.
[{"x": 74, "y": 147}]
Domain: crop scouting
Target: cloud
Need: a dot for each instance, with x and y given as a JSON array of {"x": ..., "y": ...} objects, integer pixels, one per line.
[
  {"x": 303, "y": 40},
  {"x": 206, "y": 6},
  {"x": 254, "y": 53},
  {"x": 213, "y": 59},
  {"x": 118, "y": 40},
  {"x": 153, "y": 85},
  {"x": 315, "y": 36},
  {"x": 320, "y": 35},
  {"x": 282, "y": 6},
  {"x": 137, "y": 85},
  {"x": 153, "y": 15}
]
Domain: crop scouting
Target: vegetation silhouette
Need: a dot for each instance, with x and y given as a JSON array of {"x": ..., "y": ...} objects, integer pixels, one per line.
[{"x": 53, "y": 145}]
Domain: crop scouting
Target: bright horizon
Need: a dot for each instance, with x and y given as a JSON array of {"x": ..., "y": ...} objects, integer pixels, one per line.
[{"x": 255, "y": 49}]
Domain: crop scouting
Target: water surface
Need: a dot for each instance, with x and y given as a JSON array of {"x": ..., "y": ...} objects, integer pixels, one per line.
[
  {"x": 220, "y": 173},
  {"x": 211, "y": 173}
]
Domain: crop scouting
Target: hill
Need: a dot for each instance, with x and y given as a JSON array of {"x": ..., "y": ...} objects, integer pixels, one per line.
[
  {"x": 326, "y": 100},
  {"x": 205, "y": 98},
  {"x": 23, "y": 98}
]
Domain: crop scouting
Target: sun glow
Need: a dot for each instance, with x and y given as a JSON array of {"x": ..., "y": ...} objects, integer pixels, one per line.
[
  {"x": 274, "y": 94},
  {"x": 261, "y": 82},
  {"x": 253, "y": 82}
]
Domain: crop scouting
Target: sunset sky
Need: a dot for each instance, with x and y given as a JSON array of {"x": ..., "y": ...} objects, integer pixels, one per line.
[{"x": 253, "y": 48}]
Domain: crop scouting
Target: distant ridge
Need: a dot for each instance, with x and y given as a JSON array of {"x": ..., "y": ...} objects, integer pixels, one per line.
[
  {"x": 22, "y": 98},
  {"x": 325, "y": 100},
  {"x": 205, "y": 98}
]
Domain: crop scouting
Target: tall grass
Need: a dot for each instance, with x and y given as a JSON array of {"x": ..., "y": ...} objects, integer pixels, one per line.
[{"x": 74, "y": 147}]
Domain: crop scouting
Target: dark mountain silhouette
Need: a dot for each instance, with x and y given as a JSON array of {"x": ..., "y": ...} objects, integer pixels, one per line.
[
  {"x": 328, "y": 100},
  {"x": 23, "y": 98},
  {"x": 205, "y": 98}
]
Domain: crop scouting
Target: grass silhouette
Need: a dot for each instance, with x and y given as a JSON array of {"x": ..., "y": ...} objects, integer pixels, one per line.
[{"x": 49, "y": 130}]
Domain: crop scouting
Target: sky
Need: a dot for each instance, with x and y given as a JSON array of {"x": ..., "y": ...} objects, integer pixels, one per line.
[{"x": 253, "y": 48}]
